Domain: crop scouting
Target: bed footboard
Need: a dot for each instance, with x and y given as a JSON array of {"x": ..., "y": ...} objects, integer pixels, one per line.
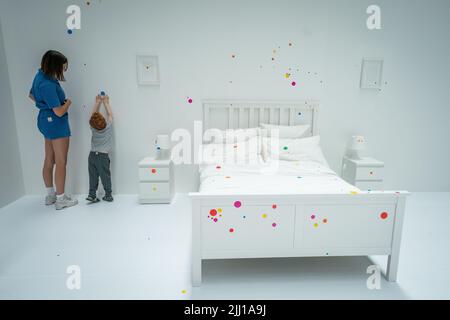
[{"x": 265, "y": 226}]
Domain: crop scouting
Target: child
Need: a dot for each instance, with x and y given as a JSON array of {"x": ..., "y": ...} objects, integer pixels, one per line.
[{"x": 101, "y": 146}]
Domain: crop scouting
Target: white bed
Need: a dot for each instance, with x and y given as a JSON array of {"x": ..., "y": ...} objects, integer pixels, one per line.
[{"x": 301, "y": 209}]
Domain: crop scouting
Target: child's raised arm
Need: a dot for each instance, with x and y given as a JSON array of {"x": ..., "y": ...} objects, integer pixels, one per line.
[
  {"x": 108, "y": 108},
  {"x": 97, "y": 104}
]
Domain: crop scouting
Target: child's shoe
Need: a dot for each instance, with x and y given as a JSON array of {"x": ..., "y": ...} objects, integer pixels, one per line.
[
  {"x": 92, "y": 199},
  {"x": 108, "y": 198}
]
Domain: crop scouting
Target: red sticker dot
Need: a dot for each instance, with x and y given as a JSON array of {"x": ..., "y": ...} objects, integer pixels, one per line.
[
  {"x": 231, "y": 230},
  {"x": 384, "y": 215},
  {"x": 213, "y": 213},
  {"x": 153, "y": 170},
  {"x": 325, "y": 220},
  {"x": 237, "y": 204},
  {"x": 274, "y": 206}
]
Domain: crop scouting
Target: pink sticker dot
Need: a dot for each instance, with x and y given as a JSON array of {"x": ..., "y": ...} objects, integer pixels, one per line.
[
  {"x": 237, "y": 204},
  {"x": 215, "y": 220},
  {"x": 294, "y": 83},
  {"x": 274, "y": 225},
  {"x": 190, "y": 100},
  {"x": 313, "y": 217}
]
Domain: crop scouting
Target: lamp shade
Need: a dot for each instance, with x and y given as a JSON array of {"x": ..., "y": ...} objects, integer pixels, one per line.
[
  {"x": 357, "y": 143},
  {"x": 163, "y": 141}
]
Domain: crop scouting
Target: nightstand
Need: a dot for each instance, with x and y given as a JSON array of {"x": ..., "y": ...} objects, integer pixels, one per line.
[
  {"x": 364, "y": 173},
  {"x": 156, "y": 181}
]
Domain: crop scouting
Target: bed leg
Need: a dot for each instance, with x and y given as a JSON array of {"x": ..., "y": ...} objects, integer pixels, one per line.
[
  {"x": 393, "y": 259},
  {"x": 196, "y": 245},
  {"x": 196, "y": 273}
]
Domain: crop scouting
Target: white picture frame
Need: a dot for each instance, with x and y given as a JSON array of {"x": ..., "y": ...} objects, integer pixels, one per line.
[
  {"x": 147, "y": 67},
  {"x": 371, "y": 73}
]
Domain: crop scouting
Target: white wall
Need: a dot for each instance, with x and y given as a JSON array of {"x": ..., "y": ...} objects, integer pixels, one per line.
[
  {"x": 11, "y": 179},
  {"x": 404, "y": 123}
]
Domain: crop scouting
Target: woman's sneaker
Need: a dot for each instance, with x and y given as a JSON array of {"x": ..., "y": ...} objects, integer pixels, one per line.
[
  {"x": 50, "y": 199},
  {"x": 65, "y": 202}
]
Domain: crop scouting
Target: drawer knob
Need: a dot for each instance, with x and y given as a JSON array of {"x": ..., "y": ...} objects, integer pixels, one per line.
[{"x": 153, "y": 170}]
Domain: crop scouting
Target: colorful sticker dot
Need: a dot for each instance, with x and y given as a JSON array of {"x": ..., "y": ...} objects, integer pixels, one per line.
[
  {"x": 231, "y": 230},
  {"x": 274, "y": 206},
  {"x": 213, "y": 212},
  {"x": 218, "y": 167},
  {"x": 293, "y": 83},
  {"x": 183, "y": 291},
  {"x": 354, "y": 193},
  {"x": 287, "y": 75},
  {"x": 313, "y": 217},
  {"x": 69, "y": 31},
  {"x": 316, "y": 225},
  {"x": 153, "y": 170},
  {"x": 190, "y": 100},
  {"x": 219, "y": 210},
  {"x": 215, "y": 220},
  {"x": 237, "y": 204},
  {"x": 384, "y": 215},
  {"x": 274, "y": 225},
  {"x": 264, "y": 216},
  {"x": 325, "y": 220}
]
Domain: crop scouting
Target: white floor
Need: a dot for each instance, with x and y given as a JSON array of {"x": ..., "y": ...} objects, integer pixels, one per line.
[{"x": 129, "y": 251}]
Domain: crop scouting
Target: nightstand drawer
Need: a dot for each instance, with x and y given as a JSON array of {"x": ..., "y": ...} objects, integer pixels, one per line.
[
  {"x": 149, "y": 190},
  {"x": 369, "y": 173},
  {"x": 154, "y": 174},
  {"x": 369, "y": 185}
]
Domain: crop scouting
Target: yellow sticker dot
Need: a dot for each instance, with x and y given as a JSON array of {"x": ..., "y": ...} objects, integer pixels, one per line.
[
  {"x": 354, "y": 192},
  {"x": 264, "y": 216},
  {"x": 183, "y": 291},
  {"x": 316, "y": 225},
  {"x": 219, "y": 210},
  {"x": 287, "y": 75}
]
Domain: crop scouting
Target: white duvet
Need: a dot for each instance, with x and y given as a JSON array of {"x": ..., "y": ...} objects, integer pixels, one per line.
[{"x": 289, "y": 177}]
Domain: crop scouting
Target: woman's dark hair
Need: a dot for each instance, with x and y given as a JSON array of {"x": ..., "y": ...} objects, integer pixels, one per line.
[{"x": 52, "y": 64}]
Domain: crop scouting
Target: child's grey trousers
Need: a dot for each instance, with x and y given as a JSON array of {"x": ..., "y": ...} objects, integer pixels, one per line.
[{"x": 99, "y": 166}]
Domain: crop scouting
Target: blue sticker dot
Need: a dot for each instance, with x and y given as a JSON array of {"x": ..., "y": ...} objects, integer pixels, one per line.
[
  {"x": 299, "y": 113},
  {"x": 103, "y": 93},
  {"x": 69, "y": 31}
]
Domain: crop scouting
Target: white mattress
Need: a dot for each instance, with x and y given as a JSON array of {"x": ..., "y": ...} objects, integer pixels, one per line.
[{"x": 291, "y": 177}]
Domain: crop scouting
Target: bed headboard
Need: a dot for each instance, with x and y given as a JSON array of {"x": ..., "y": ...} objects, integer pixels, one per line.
[{"x": 229, "y": 114}]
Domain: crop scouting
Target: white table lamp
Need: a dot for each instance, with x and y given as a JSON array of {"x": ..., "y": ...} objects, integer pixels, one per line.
[
  {"x": 162, "y": 147},
  {"x": 355, "y": 146}
]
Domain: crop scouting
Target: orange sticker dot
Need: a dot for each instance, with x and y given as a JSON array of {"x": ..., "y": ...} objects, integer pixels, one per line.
[{"x": 325, "y": 220}]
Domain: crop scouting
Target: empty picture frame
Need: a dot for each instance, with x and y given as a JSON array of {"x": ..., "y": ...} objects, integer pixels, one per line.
[
  {"x": 371, "y": 73},
  {"x": 147, "y": 69}
]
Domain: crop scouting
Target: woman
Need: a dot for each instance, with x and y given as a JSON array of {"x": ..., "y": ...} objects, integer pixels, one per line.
[{"x": 53, "y": 123}]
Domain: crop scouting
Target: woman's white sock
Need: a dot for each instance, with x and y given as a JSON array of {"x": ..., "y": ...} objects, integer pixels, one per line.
[
  {"x": 51, "y": 191},
  {"x": 60, "y": 196}
]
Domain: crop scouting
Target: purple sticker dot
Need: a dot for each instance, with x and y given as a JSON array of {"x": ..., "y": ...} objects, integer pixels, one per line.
[
  {"x": 274, "y": 225},
  {"x": 237, "y": 204},
  {"x": 313, "y": 217}
]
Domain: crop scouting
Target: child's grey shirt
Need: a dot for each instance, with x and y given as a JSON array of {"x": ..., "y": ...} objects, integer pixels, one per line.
[{"x": 102, "y": 140}]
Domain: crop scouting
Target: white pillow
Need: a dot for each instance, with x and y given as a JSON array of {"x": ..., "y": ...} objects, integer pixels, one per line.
[
  {"x": 306, "y": 149},
  {"x": 246, "y": 152},
  {"x": 229, "y": 135},
  {"x": 285, "y": 132}
]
